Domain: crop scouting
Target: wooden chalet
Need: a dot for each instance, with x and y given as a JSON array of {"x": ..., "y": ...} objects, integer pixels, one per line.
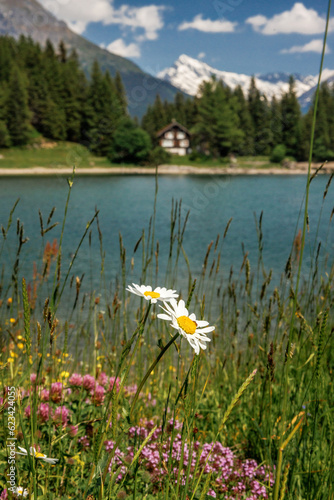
[{"x": 174, "y": 138}]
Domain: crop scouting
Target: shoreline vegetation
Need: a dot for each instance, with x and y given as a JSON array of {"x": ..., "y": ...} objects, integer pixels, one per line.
[{"x": 58, "y": 158}]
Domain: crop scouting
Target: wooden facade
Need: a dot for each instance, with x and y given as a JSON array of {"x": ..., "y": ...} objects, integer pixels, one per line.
[{"x": 175, "y": 138}]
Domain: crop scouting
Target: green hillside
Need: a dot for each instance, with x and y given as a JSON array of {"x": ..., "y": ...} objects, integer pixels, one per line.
[{"x": 29, "y": 18}]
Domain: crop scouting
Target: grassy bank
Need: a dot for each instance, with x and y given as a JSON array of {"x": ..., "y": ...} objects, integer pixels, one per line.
[
  {"x": 240, "y": 162},
  {"x": 65, "y": 154},
  {"x": 52, "y": 155}
]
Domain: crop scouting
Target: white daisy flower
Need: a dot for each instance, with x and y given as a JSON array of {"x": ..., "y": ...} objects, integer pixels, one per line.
[
  {"x": 153, "y": 295},
  {"x": 193, "y": 330},
  {"x": 36, "y": 454},
  {"x": 21, "y": 492}
]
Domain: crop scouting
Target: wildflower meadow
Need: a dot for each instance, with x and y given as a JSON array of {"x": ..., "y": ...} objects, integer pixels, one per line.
[{"x": 220, "y": 389}]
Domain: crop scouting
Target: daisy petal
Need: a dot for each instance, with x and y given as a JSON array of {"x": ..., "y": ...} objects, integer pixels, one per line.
[
  {"x": 201, "y": 323},
  {"x": 164, "y": 316},
  {"x": 207, "y": 329}
]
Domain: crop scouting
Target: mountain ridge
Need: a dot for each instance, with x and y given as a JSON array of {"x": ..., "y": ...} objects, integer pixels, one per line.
[
  {"x": 188, "y": 73},
  {"x": 29, "y": 18}
]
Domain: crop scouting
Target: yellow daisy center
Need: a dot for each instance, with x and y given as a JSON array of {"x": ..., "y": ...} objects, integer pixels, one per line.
[
  {"x": 153, "y": 295},
  {"x": 188, "y": 325},
  {"x": 39, "y": 455}
]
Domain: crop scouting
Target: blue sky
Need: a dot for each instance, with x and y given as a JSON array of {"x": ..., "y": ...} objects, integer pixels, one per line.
[{"x": 243, "y": 36}]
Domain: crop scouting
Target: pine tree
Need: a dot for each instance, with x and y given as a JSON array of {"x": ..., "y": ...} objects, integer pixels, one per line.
[
  {"x": 170, "y": 112},
  {"x": 54, "y": 78},
  {"x": 7, "y": 57},
  {"x": 159, "y": 115},
  {"x": 120, "y": 92},
  {"x": 190, "y": 112},
  {"x": 217, "y": 129},
  {"x": 39, "y": 95},
  {"x": 113, "y": 112},
  {"x": 4, "y": 134},
  {"x": 179, "y": 106},
  {"x": 74, "y": 90},
  {"x": 155, "y": 118},
  {"x": 246, "y": 146},
  {"x": 103, "y": 111},
  {"x": 291, "y": 114},
  {"x": 17, "y": 109},
  {"x": 330, "y": 112},
  {"x": 276, "y": 122},
  {"x": 203, "y": 130},
  {"x": 93, "y": 108},
  {"x": 260, "y": 114},
  {"x": 148, "y": 123},
  {"x": 62, "y": 52}
]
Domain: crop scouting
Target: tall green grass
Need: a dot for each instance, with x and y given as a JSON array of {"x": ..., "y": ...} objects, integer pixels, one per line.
[{"x": 283, "y": 419}]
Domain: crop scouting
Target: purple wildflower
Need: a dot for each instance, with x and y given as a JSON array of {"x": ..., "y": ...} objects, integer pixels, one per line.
[
  {"x": 88, "y": 382},
  {"x": 45, "y": 395},
  {"x": 56, "y": 392},
  {"x": 73, "y": 430},
  {"x": 76, "y": 380},
  {"x": 61, "y": 415},
  {"x": 44, "y": 412},
  {"x": 103, "y": 379},
  {"x": 97, "y": 395},
  {"x": 84, "y": 442},
  {"x": 212, "y": 493}
]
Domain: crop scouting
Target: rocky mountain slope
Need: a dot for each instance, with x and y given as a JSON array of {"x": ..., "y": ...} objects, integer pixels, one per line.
[{"x": 29, "y": 18}]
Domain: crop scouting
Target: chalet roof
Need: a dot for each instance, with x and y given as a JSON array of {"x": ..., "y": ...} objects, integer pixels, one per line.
[{"x": 170, "y": 126}]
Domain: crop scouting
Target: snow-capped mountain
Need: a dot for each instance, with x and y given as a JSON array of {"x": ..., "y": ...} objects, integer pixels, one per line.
[{"x": 188, "y": 73}]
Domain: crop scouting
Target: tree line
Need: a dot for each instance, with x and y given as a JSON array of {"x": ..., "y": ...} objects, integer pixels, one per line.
[
  {"x": 224, "y": 121},
  {"x": 45, "y": 91}
]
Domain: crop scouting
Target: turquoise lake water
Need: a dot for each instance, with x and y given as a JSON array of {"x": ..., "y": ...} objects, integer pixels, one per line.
[{"x": 126, "y": 205}]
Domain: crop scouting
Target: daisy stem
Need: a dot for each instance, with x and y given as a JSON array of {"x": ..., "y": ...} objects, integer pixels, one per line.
[{"x": 151, "y": 368}]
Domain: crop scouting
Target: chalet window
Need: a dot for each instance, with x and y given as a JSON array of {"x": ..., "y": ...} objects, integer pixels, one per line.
[
  {"x": 169, "y": 135},
  {"x": 184, "y": 143},
  {"x": 167, "y": 143},
  {"x": 180, "y": 135}
]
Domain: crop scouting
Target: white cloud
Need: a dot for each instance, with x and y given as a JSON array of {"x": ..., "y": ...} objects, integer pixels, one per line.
[
  {"x": 297, "y": 20},
  {"x": 77, "y": 26},
  {"x": 120, "y": 48},
  {"x": 201, "y": 55},
  {"x": 79, "y": 13},
  {"x": 148, "y": 18},
  {"x": 208, "y": 26},
  {"x": 312, "y": 46}
]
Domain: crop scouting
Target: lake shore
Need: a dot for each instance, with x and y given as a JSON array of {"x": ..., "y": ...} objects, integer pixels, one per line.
[{"x": 297, "y": 169}]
